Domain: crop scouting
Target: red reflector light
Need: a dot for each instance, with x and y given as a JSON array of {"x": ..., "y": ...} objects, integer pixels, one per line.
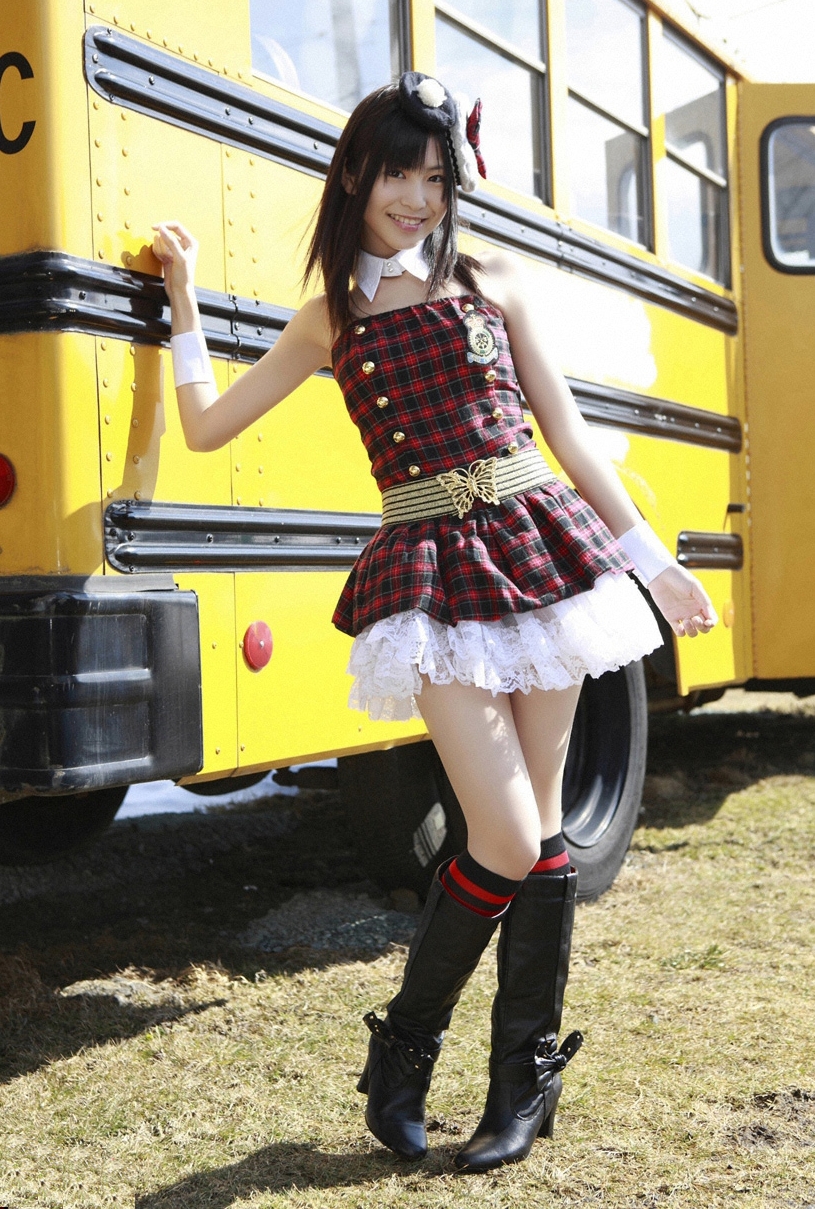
[
  {"x": 257, "y": 645},
  {"x": 8, "y": 480}
]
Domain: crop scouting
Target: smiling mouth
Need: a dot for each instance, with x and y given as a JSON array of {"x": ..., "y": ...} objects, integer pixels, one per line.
[{"x": 403, "y": 221}]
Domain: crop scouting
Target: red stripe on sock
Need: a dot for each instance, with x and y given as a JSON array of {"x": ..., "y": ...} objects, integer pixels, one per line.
[
  {"x": 477, "y": 891},
  {"x": 469, "y": 906},
  {"x": 551, "y": 862}
]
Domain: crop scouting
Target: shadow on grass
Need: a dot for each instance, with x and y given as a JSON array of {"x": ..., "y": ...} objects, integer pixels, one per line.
[
  {"x": 40, "y": 1025},
  {"x": 695, "y": 761},
  {"x": 54, "y": 1028},
  {"x": 162, "y": 894},
  {"x": 286, "y": 1166}
]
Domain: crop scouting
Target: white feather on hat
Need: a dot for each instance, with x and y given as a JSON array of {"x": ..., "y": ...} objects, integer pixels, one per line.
[{"x": 463, "y": 152}]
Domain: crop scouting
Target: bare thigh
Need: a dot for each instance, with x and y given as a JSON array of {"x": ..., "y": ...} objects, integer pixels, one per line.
[
  {"x": 543, "y": 723},
  {"x": 482, "y": 748}
]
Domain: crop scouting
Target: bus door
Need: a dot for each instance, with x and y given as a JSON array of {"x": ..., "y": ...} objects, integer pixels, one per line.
[{"x": 777, "y": 156}]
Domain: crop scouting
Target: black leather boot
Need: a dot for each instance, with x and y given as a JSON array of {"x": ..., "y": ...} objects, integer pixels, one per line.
[
  {"x": 525, "y": 1063},
  {"x": 403, "y": 1048}
]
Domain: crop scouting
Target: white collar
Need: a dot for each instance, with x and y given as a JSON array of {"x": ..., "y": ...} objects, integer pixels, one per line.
[{"x": 370, "y": 269}]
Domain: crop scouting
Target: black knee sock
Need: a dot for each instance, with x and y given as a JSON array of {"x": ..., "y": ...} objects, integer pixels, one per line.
[
  {"x": 477, "y": 888},
  {"x": 554, "y": 859}
]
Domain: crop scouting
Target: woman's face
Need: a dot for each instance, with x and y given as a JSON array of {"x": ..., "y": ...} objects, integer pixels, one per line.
[{"x": 405, "y": 205}]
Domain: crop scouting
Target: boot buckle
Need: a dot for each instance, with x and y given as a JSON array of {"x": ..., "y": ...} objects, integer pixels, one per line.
[
  {"x": 550, "y": 1061},
  {"x": 384, "y": 1033}
]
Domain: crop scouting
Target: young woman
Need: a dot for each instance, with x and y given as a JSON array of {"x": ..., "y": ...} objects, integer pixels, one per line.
[{"x": 489, "y": 592}]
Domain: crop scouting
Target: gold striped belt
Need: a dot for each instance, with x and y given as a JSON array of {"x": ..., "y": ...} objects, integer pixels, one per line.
[{"x": 454, "y": 492}]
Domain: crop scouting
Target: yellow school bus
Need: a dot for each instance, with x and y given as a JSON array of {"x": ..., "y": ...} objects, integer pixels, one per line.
[{"x": 166, "y": 613}]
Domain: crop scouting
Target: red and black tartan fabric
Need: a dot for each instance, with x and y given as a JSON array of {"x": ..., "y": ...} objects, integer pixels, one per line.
[{"x": 411, "y": 371}]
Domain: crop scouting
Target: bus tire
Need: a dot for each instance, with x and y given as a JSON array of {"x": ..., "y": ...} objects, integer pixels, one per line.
[
  {"x": 214, "y": 789},
  {"x": 36, "y": 830},
  {"x": 402, "y": 814},
  {"x": 605, "y": 769}
]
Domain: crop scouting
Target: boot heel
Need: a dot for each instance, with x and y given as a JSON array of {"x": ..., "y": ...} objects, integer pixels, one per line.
[
  {"x": 547, "y": 1129},
  {"x": 364, "y": 1080}
]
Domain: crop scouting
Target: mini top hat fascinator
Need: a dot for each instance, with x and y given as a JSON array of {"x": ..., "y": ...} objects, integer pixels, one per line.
[{"x": 428, "y": 103}]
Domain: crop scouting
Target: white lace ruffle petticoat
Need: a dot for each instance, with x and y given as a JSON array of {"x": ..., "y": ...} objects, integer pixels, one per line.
[{"x": 550, "y": 648}]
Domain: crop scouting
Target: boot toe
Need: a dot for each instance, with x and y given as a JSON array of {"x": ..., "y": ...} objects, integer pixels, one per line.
[
  {"x": 407, "y": 1139},
  {"x": 493, "y": 1152}
]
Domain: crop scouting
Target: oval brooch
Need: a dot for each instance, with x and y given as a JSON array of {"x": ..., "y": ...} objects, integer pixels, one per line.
[{"x": 480, "y": 340}]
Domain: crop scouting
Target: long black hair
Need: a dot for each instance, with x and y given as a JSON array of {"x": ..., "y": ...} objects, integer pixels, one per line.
[{"x": 379, "y": 137}]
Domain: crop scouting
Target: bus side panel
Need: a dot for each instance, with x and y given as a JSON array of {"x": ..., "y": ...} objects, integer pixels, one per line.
[
  {"x": 42, "y": 103},
  {"x": 267, "y": 212},
  {"x": 49, "y": 431},
  {"x": 144, "y": 454},
  {"x": 215, "y": 36},
  {"x": 216, "y": 617},
  {"x": 687, "y": 488},
  {"x": 296, "y": 708},
  {"x": 144, "y": 172},
  {"x": 307, "y": 454},
  {"x": 780, "y": 315}
]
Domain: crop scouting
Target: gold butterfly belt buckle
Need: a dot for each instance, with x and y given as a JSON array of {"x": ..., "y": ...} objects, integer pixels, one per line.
[{"x": 476, "y": 481}]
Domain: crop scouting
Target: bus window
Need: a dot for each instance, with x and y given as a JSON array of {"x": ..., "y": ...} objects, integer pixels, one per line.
[
  {"x": 608, "y": 124},
  {"x": 788, "y": 170},
  {"x": 694, "y": 178},
  {"x": 335, "y": 50},
  {"x": 507, "y": 71}
]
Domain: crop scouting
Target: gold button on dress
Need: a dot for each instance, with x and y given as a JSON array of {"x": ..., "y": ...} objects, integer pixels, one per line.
[
  {"x": 513, "y": 447},
  {"x": 382, "y": 401},
  {"x": 497, "y": 413},
  {"x": 414, "y": 471},
  {"x": 368, "y": 367},
  {"x": 398, "y": 437},
  {"x": 490, "y": 375},
  {"x": 360, "y": 329}
]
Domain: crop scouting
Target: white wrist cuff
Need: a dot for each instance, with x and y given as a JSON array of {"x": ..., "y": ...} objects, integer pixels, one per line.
[
  {"x": 191, "y": 361},
  {"x": 649, "y": 555}
]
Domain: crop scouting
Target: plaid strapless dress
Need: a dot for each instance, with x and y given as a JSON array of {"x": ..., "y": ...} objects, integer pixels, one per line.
[{"x": 531, "y": 592}]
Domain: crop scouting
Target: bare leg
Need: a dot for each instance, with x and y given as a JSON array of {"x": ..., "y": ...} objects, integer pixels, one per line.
[
  {"x": 479, "y": 741},
  {"x": 533, "y": 962},
  {"x": 476, "y": 737},
  {"x": 543, "y": 724}
]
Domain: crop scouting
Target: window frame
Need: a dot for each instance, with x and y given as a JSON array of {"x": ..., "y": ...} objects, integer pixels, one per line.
[
  {"x": 643, "y": 131},
  {"x": 722, "y": 183},
  {"x": 796, "y": 270},
  {"x": 538, "y": 66}
]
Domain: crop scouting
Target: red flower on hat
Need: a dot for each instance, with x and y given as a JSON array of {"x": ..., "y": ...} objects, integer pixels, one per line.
[{"x": 474, "y": 137}]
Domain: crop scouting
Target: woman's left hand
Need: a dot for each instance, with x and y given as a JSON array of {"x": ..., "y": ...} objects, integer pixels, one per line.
[
  {"x": 177, "y": 250},
  {"x": 683, "y": 602}
]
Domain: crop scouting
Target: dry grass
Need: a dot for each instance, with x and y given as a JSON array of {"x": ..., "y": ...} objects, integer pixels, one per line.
[{"x": 692, "y": 980}]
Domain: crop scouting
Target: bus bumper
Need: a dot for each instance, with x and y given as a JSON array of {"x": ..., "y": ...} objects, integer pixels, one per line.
[{"x": 98, "y": 686}]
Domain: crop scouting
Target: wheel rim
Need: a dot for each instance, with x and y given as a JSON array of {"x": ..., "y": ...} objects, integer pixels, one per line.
[{"x": 597, "y": 760}]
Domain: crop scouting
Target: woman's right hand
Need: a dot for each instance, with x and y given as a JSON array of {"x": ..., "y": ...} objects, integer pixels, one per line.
[
  {"x": 683, "y": 602},
  {"x": 177, "y": 250}
]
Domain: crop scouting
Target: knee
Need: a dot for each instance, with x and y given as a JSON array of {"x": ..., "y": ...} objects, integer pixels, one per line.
[
  {"x": 512, "y": 856},
  {"x": 527, "y": 850}
]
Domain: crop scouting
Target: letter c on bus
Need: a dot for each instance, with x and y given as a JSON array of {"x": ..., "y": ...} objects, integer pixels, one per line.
[{"x": 13, "y": 58}]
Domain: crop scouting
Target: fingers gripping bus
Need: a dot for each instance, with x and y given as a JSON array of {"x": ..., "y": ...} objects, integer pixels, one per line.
[{"x": 132, "y": 570}]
